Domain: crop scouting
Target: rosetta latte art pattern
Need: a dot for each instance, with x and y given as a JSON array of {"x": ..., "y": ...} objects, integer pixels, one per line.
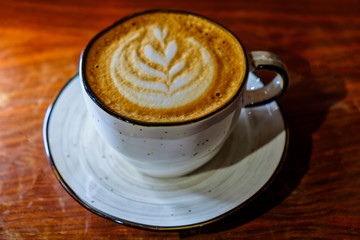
[{"x": 155, "y": 69}]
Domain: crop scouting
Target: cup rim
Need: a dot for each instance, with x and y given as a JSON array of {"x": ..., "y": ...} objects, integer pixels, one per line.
[{"x": 109, "y": 111}]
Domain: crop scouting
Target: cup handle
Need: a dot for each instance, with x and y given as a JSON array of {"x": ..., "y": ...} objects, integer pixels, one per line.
[{"x": 263, "y": 60}]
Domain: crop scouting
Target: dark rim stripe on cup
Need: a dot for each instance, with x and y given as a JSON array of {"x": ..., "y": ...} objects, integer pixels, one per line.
[{"x": 99, "y": 103}]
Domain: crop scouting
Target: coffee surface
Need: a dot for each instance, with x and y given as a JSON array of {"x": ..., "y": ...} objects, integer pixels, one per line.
[{"x": 165, "y": 67}]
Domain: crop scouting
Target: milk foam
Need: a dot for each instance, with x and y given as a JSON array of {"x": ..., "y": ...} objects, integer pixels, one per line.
[
  {"x": 165, "y": 67},
  {"x": 165, "y": 77}
]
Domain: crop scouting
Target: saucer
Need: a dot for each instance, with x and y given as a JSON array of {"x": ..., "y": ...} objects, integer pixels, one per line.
[{"x": 95, "y": 176}]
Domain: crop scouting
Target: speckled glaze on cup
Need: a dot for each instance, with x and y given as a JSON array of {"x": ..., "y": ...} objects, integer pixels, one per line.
[{"x": 176, "y": 149}]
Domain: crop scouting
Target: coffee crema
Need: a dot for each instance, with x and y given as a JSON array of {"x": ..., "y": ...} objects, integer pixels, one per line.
[{"x": 165, "y": 67}]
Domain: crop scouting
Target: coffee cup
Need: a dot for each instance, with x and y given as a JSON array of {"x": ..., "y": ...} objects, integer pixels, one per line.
[{"x": 165, "y": 88}]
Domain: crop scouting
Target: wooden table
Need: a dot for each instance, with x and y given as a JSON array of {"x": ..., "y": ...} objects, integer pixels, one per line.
[{"x": 315, "y": 196}]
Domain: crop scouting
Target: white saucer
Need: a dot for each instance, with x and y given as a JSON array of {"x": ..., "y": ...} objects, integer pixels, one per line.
[{"x": 94, "y": 175}]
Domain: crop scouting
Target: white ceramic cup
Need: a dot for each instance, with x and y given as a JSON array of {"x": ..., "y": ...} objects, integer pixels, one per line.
[{"x": 176, "y": 149}]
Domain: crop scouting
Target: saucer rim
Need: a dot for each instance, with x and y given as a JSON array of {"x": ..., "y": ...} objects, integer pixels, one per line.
[{"x": 108, "y": 216}]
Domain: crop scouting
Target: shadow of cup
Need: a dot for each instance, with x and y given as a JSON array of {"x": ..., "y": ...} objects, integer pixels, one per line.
[{"x": 305, "y": 106}]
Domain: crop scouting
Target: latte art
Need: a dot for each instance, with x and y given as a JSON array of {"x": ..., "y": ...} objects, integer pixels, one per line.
[
  {"x": 164, "y": 67},
  {"x": 159, "y": 72}
]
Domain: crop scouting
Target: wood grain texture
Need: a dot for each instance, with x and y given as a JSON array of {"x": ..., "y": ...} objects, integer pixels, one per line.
[{"x": 315, "y": 196}]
